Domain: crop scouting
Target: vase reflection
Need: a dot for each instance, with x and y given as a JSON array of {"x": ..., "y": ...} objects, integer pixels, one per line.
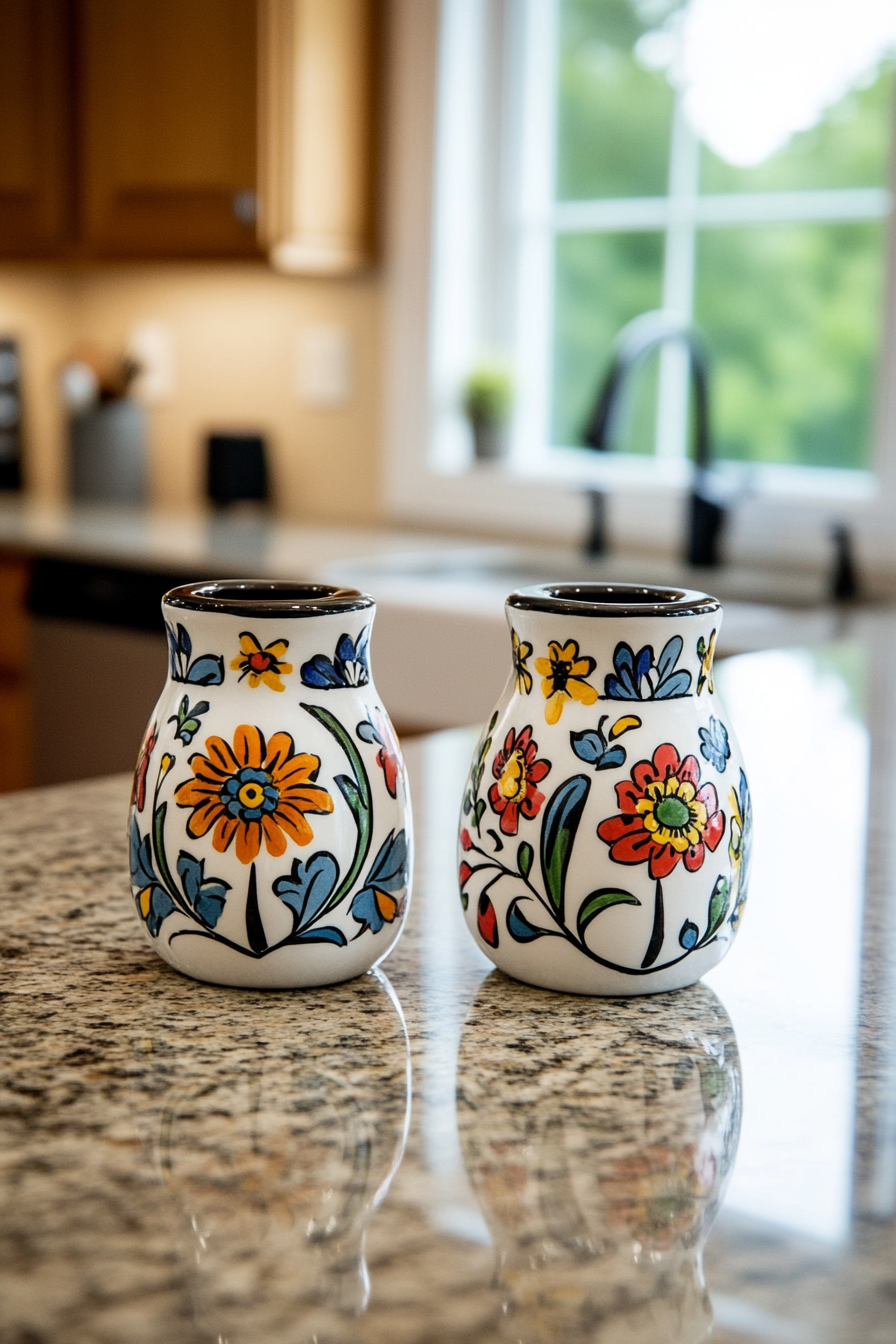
[
  {"x": 599, "y": 1137},
  {"x": 278, "y": 1149}
]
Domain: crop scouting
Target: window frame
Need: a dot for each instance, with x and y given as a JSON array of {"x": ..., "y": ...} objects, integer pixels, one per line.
[{"x": 428, "y": 476}]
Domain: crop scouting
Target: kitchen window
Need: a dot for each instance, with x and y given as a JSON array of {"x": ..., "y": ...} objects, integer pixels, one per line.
[{"x": 724, "y": 159}]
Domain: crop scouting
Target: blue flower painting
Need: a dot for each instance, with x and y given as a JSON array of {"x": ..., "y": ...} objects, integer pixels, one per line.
[
  {"x": 349, "y": 667},
  {"x": 206, "y": 670},
  {"x": 381, "y": 900},
  {"x": 714, "y": 745},
  {"x": 637, "y": 676},
  {"x": 153, "y": 901}
]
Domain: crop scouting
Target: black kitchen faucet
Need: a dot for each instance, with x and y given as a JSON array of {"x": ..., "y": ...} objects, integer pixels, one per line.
[{"x": 706, "y": 512}]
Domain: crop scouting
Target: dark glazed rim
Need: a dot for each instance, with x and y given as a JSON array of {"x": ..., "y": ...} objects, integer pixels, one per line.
[
  {"x": 267, "y": 597},
  {"x": 612, "y": 599}
]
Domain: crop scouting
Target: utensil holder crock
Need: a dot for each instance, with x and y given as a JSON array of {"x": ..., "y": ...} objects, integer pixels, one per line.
[
  {"x": 270, "y": 827},
  {"x": 606, "y": 823}
]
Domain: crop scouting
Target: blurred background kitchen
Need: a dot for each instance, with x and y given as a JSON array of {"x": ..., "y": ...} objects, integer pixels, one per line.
[{"x": 354, "y": 289}]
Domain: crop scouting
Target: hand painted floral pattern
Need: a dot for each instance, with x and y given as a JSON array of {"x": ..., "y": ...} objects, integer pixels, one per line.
[
  {"x": 251, "y": 791},
  {"x": 377, "y": 728},
  {"x": 259, "y": 665},
  {"x": 706, "y": 653},
  {"x": 382, "y": 898},
  {"x": 521, "y": 652},
  {"x": 740, "y": 844},
  {"x": 517, "y": 771},
  {"x": 637, "y": 676},
  {"x": 665, "y": 816},
  {"x": 348, "y": 668},
  {"x": 714, "y": 743},
  {"x": 565, "y": 674},
  {"x": 594, "y": 747},
  {"x": 187, "y": 719},
  {"x": 138, "y": 788},
  {"x": 153, "y": 902},
  {"x": 206, "y": 670}
]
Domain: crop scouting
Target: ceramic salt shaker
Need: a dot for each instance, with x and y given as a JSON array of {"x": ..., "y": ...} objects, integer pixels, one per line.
[
  {"x": 606, "y": 824},
  {"x": 270, "y": 826}
]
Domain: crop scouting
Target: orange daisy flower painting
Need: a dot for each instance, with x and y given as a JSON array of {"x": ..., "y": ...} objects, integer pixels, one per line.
[{"x": 251, "y": 791}]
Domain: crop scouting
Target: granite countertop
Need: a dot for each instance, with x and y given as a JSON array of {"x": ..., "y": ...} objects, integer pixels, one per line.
[{"x": 433, "y": 1153}]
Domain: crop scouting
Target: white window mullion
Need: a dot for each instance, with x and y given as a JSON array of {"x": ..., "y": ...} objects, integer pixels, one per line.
[
  {"x": 534, "y": 158},
  {"x": 678, "y": 285}
]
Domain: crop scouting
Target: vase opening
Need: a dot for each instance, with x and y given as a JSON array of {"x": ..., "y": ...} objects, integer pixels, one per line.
[
  {"x": 267, "y": 597},
  {"x": 612, "y": 599}
]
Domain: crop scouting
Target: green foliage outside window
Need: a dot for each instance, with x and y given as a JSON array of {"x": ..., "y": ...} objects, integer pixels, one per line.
[{"x": 792, "y": 311}]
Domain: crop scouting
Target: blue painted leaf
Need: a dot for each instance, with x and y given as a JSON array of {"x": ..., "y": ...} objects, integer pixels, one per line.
[
  {"x": 603, "y": 899},
  {"x": 160, "y": 907},
  {"x": 320, "y": 673},
  {"x": 142, "y": 871},
  {"x": 669, "y": 656},
  {"x": 367, "y": 732},
  {"x": 184, "y": 642},
  {"x": 519, "y": 927},
  {"x": 688, "y": 935},
  {"x": 587, "y": 746},
  {"x": 325, "y": 934},
  {"x": 373, "y": 908},
  {"x": 622, "y": 686},
  {"x": 524, "y": 856},
  {"x": 613, "y": 756},
  {"x": 206, "y": 895},
  {"x": 389, "y": 870},
  {"x": 677, "y": 685},
  {"x": 643, "y": 663},
  {"x": 308, "y": 887},
  {"x": 206, "y": 671},
  {"x": 561, "y": 821},
  {"x": 345, "y": 649}
]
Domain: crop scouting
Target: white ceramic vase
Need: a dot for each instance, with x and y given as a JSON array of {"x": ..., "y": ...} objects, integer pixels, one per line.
[
  {"x": 270, "y": 828},
  {"x": 606, "y": 823}
]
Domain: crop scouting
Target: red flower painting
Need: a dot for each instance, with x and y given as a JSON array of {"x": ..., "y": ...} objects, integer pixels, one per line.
[
  {"x": 517, "y": 772},
  {"x": 665, "y": 815}
]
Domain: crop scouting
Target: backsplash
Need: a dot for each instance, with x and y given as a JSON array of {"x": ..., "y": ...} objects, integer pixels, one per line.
[{"x": 249, "y": 351}]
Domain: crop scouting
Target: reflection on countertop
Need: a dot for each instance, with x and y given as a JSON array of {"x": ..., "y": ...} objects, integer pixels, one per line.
[{"x": 188, "y": 1163}]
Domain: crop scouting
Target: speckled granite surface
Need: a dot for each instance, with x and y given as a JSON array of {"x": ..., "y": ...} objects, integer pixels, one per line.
[{"x": 430, "y": 1153}]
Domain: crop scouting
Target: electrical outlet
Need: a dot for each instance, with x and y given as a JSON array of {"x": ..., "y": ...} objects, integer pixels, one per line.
[
  {"x": 151, "y": 346},
  {"x": 325, "y": 376}
]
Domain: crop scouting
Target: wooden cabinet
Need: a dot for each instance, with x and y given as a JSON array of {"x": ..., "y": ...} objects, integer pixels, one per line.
[
  {"x": 15, "y": 680},
  {"x": 128, "y": 128},
  {"x": 37, "y": 144}
]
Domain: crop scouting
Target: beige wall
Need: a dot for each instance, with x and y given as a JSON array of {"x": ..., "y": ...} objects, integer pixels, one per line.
[{"x": 234, "y": 330}]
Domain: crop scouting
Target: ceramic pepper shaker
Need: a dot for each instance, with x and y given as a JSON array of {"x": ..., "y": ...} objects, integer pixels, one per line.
[
  {"x": 605, "y": 831},
  {"x": 270, "y": 827}
]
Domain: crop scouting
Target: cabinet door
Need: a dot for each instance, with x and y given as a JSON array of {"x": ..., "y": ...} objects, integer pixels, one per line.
[
  {"x": 168, "y": 92},
  {"x": 36, "y": 127}
]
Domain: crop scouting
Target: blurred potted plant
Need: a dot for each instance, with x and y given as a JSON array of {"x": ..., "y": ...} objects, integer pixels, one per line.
[{"x": 487, "y": 399}]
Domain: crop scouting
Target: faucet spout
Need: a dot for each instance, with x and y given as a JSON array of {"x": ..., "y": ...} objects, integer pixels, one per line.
[{"x": 707, "y": 513}]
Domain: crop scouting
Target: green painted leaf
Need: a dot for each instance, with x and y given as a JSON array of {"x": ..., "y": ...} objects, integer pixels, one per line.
[
  {"x": 558, "y": 831},
  {"x": 464, "y": 899},
  {"x": 356, "y": 793},
  {"x": 603, "y": 899},
  {"x": 524, "y": 856},
  {"x": 478, "y": 811},
  {"x": 718, "y": 906}
]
